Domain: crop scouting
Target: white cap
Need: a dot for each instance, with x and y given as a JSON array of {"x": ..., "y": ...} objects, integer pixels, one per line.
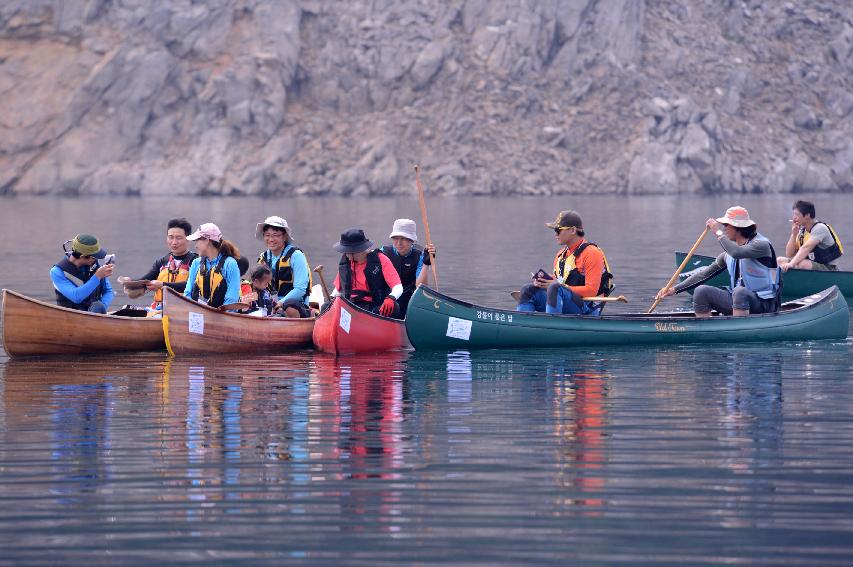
[
  {"x": 405, "y": 228},
  {"x": 272, "y": 221}
]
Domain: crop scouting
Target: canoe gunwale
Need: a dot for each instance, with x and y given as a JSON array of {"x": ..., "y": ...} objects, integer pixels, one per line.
[
  {"x": 823, "y": 296},
  {"x": 230, "y": 314}
]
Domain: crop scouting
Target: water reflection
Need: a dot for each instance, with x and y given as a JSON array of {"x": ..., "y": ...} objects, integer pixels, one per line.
[{"x": 538, "y": 455}]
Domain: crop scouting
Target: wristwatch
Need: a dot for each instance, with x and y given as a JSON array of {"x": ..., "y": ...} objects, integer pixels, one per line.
[{"x": 719, "y": 232}]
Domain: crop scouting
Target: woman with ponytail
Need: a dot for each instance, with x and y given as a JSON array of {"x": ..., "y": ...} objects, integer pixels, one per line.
[{"x": 214, "y": 277}]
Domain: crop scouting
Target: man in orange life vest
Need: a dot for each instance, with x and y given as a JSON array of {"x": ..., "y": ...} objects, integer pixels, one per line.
[
  {"x": 172, "y": 269},
  {"x": 580, "y": 270},
  {"x": 366, "y": 276}
]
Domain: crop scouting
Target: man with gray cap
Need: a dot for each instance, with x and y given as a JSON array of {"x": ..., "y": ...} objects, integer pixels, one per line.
[
  {"x": 79, "y": 281},
  {"x": 291, "y": 275},
  {"x": 408, "y": 259},
  {"x": 580, "y": 272}
]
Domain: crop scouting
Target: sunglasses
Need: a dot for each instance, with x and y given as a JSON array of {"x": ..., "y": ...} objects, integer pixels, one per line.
[{"x": 559, "y": 229}]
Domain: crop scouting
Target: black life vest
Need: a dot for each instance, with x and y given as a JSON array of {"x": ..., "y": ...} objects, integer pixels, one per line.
[
  {"x": 575, "y": 278},
  {"x": 78, "y": 276},
  {"x": 379, "y": 289},
  {"x": 818, "y": 254},
  {"x": 282, "y": 272},
  {"x": 407, "y": 268},
  {"x": 210, "y": 284}
]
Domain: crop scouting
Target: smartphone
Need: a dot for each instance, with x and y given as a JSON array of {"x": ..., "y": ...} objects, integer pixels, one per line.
[
  {"x": 109, "y": 259},
  {"x": 542, "y": 275}
]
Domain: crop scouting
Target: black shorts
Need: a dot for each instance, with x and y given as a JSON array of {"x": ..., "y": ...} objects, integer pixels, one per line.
[{"x": 297, "y": 304}]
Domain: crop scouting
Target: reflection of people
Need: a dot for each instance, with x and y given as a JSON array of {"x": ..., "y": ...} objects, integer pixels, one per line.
[
  {"x": 409, "y": 259},
  {"x": 79, "y": 281},
  {"x": 172, "y": 270},
  {"x": 580, "y": 270},
  {"x": 368, "y": 279},
  {"x": 214, "y": 276},
  {"x": 751, "y": 262},
  {"x": 813, "y": 244},
  {"x": 291, "y": 275}
]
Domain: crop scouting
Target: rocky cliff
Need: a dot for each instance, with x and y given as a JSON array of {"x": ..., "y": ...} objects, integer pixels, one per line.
[{"x": 490, "y": 96}]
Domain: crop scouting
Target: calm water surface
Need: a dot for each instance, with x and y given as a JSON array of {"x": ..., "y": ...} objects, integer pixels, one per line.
[{"x": 680, "y": 455}]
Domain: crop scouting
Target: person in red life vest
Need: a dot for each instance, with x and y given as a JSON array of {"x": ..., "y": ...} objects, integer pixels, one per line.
[
  {"x": 366, "y": 276},
  {"x": 410, "y": 260},
  {"x": 173, "y": 269},
  {"x": 580, "y": 270}
]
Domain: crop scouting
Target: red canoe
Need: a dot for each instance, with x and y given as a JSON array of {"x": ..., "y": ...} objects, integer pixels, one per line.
[{"x": 347, "y": 329}]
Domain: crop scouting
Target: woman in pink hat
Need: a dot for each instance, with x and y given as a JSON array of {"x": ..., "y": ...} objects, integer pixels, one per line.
[
  {"x": 214, "y": 277},
  {"x": 750, "y": 259}
]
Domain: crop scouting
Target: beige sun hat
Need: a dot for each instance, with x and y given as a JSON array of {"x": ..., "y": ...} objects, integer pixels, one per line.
[
  {"x": 736, "y": 216},
  {"x": 277, "y": 222},
  {"x": 405, "y": 228}
]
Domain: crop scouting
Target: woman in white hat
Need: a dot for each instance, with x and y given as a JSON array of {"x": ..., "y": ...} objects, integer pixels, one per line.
[
  {"x": 751, "y": 262},
  {"x": 408, "y": 259},
  {"x": 291, "y": 275}
]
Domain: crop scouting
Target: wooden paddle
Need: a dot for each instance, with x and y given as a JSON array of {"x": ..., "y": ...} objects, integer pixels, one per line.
[
  {"x": 422, "y": 203},
  {"x": 621, "y": 298},
  {"x": 681, "y": 267},
  {"x": 319, "y": 270}
]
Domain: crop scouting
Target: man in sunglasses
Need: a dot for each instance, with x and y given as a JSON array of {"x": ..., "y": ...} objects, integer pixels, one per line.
[
  {"x": 79, "y": 281},
  {"x": 580, "y": 271}
]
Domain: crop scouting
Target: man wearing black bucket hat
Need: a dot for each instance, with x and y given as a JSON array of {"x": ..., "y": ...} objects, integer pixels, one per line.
[
  {"x": 365, "y": 276},
  {"x": 79, "y": 281}
]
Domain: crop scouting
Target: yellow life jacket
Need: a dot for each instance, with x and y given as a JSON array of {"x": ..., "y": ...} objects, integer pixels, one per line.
[
  {"x": 565, "y": 269},
  {"x": 282, "y": 272},
  {"x": 210, "y": 285},
  {"x": 821, "y": 255},
  {"x": 172, "y": 271}
]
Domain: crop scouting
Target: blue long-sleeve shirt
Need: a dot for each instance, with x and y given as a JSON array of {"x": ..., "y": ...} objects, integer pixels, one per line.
[
  {"x": 301, "y": 274},
  {"x": 75, "y": 293},
  {"x": 230, "y": 273}
]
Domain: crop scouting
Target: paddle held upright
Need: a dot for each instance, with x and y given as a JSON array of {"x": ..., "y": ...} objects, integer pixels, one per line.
[{"x": 422, "y": 203}]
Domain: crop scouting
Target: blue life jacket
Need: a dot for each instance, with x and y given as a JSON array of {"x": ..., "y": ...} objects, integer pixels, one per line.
[
  {"x": 755, "y": 276},
  {"x": 78, "y": 276}
]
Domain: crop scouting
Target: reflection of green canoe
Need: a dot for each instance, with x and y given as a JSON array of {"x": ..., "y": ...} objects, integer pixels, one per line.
[
  {"x": 436, "y": 321},
  {"x": 796, "y": 283}
]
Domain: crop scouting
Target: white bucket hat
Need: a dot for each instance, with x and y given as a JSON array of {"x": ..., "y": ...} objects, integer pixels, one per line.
[
  {"x": 405, "y": 228},
  {"x": 272, "y": 221}
]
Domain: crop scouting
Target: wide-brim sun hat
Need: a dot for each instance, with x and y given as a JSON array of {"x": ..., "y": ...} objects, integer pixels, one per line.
[
  {"x": 405, "y": 228},
  {"x": 275, "y": 221},
  {"x": 353, "y": 241},
  {"x": 736, "y": 216},
  {"x": 209, "y": 231}
]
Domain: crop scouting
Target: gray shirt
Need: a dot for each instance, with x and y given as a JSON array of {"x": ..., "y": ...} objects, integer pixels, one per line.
[
  {"x": 753, "y": 249},
  {"x": 820, "y": 232}
]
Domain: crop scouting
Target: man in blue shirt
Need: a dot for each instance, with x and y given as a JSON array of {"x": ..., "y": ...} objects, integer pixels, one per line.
[
  {"x": 79, "y": 281},
  {"x": 291, "y": 276}
]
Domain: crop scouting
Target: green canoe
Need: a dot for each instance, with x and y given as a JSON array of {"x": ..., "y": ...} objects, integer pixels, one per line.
[
  {"x": 795, "y": 283},
  {"x": 436, "y": 321}
]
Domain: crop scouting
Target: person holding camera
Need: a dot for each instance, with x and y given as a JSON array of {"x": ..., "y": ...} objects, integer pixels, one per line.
[
  {"x": 79, "y": 281},
  {"x": 580, "y": 271}
]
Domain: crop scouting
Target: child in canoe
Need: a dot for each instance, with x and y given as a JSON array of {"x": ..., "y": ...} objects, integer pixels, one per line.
[{"x": 259, "y": 298}]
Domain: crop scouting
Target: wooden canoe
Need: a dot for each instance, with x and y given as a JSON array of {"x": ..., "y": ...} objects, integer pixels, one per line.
[
  {"x": 193, "y": 328},
  {"x": 33, "y": 328},
  {"x": 795, "y": 283},
  {"x": 437, "y": 321},
  {"x": 347, "y": 329}
]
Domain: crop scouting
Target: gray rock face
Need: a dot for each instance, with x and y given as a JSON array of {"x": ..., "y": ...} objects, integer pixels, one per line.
[{"x": 490, "y": 96}]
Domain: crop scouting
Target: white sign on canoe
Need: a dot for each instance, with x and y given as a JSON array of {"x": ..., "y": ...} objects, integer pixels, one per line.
[
  {"x": 196, "y": 323},
  {"x": 346, "y": 319},
  {"x": 458, "y": 328}
]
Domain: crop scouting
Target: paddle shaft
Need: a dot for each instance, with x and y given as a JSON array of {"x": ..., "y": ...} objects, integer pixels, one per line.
[
  {"x": 517, "y": 295},
  {"x": 422, "y": 203},
  {"x": 319, "y": 270},
  {"x": 681, "y": 267}
]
